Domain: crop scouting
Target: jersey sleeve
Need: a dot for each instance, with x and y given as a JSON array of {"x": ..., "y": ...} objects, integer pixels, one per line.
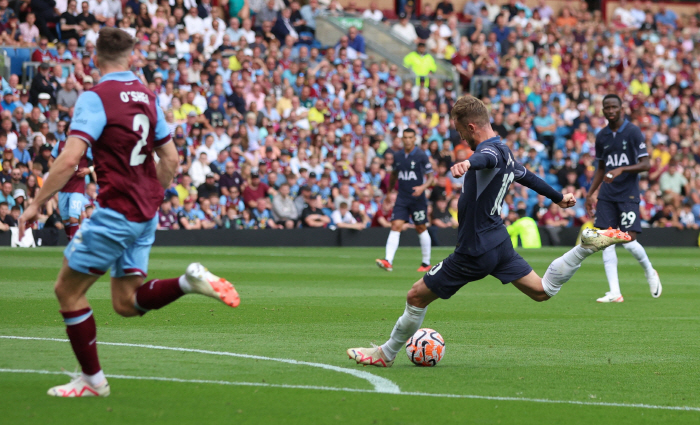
[
  {"x": 89, "y": 118},
  {"x": 88, "y": 154},
  {"x": 639, "y": 143},
  {"x": 486, "y": 158},
  {"x": 162, "y": 130}
]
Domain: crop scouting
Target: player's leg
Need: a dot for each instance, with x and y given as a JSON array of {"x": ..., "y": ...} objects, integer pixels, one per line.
[
  {"x": 442, "y": 281},
  {"x": 398, "y": 218},
  {"x": 420, "y": 218},
  {"x": 71, "y": 287},
  {"x": 607, "y": 216},
  {"x": 564, "y": 267},
  {"x": 629, "y": 222},
  {"x": 417, "y": 300},
  {"x": 91, "y": 252},
  {"x": 131, "y": 297}
]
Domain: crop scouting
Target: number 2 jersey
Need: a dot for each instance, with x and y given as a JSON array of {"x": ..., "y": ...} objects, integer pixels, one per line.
[
  {"x": 621, "y": 148},
  {"x": 487, "y": 182},
  {"x": 121, "y": 121}
]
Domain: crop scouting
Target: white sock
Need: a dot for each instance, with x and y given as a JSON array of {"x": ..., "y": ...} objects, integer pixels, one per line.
[
  {"x": 637, "y": 250},
  {"x": 184, "y": 285},
  {"x": 95, "y": 379},
  {"x": 404, "y": 329},
  {"x": 563, "y": 268},
  {"x": 425, "y": 246},
  {"x": 610, "y": 263},
  {"x": 392, "y": 244}
]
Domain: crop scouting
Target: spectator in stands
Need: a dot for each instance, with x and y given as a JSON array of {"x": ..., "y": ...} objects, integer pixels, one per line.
[
  {"x": 284, "y": 210},
  {"x": 43, "y": 82},
  {"x": 189, "y": 218},
  {"x": 29, "y": 32},
  {"x": 6, "y": 220},
  {"x": 309, "y": 13},
  {"x": 42, "y": 53},
  {"x": 440, "y": 217},
  {"x": 312, "y": 215},
  {"x": 404, "y": 29},
  {"x": 373, "y": 12},
  {"x": 356, "y": 40},
  {"x": 6, "y": 194}
]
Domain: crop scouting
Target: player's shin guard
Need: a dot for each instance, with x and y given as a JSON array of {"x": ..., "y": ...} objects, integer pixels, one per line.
[
  {"x": 392, "y": 244},
  {"x": 637, "y": 250},
  {"x": 563, "y": 268},
  {"x": 404, "y": 329},
  {"x": 82, "y": 333},
  {"x": 425, "y": 246},
  {"x": 610, "y": 264},
  {"x": 71, "y": 229},
  {"x": 155, "y": 293}
]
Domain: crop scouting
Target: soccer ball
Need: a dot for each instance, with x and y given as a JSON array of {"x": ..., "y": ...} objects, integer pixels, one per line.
[{"x": 425, "y": 348}]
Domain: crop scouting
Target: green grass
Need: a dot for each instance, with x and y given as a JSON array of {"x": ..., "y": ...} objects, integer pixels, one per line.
[{"x": 312, "y": 304}]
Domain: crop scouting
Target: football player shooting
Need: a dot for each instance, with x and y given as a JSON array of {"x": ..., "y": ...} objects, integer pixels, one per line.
[
  {"x": 411, "y": 168},
  {"x": 121, "y": 121},
  {"x": 484, "y": 247},
  {"x": 622, "y": 154}
]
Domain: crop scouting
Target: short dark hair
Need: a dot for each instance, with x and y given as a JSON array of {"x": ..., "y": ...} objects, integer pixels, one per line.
[
  {"x": 5, "y": 204},
  {"x": 612, "y": 96},
  {"x": 114, "y": 45},
  {"x": 409, "y": 130}
]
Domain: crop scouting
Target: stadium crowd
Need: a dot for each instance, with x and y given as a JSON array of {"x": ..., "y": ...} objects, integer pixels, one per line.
[{"x": 276, "y": 130}]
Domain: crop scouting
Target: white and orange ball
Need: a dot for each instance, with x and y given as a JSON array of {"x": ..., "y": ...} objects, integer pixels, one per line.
[{"x": 425, "y": 348}]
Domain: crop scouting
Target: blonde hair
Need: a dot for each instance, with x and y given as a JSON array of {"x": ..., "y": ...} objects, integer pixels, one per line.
[{"x": 470, "y": 110}]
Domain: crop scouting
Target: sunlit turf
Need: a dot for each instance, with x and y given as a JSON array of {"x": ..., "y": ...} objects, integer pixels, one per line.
[{"x": 311, "y": 304}]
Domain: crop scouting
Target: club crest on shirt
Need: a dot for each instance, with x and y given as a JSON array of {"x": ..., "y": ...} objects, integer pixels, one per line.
[
  {"x": 413, "y": 164},
  {"x": 624, "y": 144}
]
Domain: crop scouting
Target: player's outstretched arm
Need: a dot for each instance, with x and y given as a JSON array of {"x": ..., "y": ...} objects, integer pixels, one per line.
[
  {"x": 60, "y": 172},
  {"x": 528, "y": 179},
  {"x": 166, "y": 167},
  {"x": 478, "y": 161}
]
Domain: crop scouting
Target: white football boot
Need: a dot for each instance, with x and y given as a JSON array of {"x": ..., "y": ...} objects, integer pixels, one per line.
[
  {"x": 654, "y": 284},
  {"x": 598, "y": 240},
  {"x": 369, "y": 356},
  {"x": 79, "y": 387},
  {"x": 204, "y": 282},
  {"x": 610, "y": 298}
]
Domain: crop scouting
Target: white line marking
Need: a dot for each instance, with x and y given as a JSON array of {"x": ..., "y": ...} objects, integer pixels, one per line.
[
  {"x": 381, "y": 385},
  {"x": 355, "y": 390}
]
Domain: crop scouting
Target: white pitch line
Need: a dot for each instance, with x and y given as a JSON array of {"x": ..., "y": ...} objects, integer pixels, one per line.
[
  {"x": 356, "y": 390},
  {"x": 381, "y": 385}
]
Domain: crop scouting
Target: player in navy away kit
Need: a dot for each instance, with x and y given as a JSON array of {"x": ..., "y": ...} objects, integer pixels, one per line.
[
  {"x": 411, "y": 167},
  {"x": 621, "y": 152},
  {"x": 121, "y": 121},
  {"x": 484, "y": 247}
]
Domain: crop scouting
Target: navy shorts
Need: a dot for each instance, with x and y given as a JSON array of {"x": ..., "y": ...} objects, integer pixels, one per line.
[
  {"x": 618, "y": 215},
  {"x": 455, "y": 271},
  {"x": 413, "y": 208}
]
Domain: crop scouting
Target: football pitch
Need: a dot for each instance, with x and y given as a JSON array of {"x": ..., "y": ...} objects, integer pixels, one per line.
[{"x": 280, "y": 356}]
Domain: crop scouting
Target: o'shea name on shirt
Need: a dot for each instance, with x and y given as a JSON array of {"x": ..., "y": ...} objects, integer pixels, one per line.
[{"x": 134, "y": 96}]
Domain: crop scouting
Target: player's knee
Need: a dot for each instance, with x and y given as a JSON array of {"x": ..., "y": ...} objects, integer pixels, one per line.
[
  {"x": 124, "y": 307},
  {"x": 396, "y": 227},
  {"x": 633, "y": 236}
]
